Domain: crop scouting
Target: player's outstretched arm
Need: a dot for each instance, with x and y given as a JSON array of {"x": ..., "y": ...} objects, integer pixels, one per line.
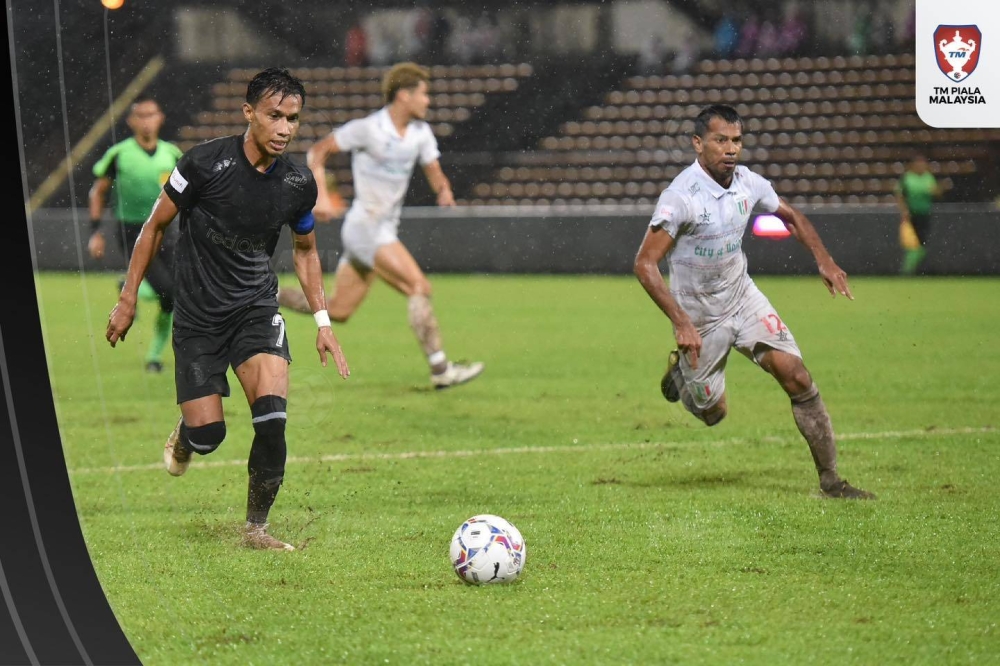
[
  {"x": 95, "y": 206},
  {"x": 904, "y": 210},
  {"x": 655, "y": 246},
  {"x": 940, "y": 187},
  {"x": 327, "y": 206},
  {"x": 310, "y": 274},
  {"x": 439, "y": 183},
  {"x": 833, "y": 275},
  {"x": 146, "y": 247}
]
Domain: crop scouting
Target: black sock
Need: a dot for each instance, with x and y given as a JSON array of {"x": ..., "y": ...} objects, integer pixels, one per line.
[{"x": 266, "y": 466}]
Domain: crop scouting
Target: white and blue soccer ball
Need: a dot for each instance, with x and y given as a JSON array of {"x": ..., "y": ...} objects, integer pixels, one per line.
[{"x": 487, "y": 549}]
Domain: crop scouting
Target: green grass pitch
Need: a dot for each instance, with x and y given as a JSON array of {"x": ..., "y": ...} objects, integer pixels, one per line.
[{"x": 651, "y": 539}]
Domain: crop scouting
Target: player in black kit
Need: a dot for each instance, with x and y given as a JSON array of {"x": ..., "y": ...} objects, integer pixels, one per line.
[{"x": 234, "y": 194}]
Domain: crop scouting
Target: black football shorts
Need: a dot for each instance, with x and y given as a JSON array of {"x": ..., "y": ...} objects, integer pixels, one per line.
[{"x": 202, "y": 357}]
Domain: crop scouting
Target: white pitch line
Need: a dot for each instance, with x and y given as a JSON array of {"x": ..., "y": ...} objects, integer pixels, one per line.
[{"x": 571, "y": 448}]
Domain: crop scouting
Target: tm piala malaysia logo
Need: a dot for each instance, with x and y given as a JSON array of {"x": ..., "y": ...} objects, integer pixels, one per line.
[{"x": 957, "y": 48}]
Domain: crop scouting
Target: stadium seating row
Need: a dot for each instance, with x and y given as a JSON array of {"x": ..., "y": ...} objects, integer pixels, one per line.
[
  {"x": 311, "y": 117},
  {"x": 340, "y": 94},
  {"x": 752, "y": 125},
  {"x": 767, "y": 140},
  {"x": 438, "y": 73},
  {"x": 841, "y": 63},
  {"x": 374, "y": 87},
  {"x": 772, "y": 170},
  {"x": 874, "y": 157},
  {"x": 770, "y": 79},
  {"x": 651, "y": 189},
  {"x": 664, "y": 110},
  {"x": 192, "y": 134},
  {"x": 729, "y": 95}
]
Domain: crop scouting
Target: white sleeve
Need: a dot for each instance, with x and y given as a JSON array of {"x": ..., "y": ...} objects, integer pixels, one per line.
[
  {"x": 672, "y": 213},
  {"x": 352, "y": 135},
  {"x": 765, "y": 198},
  {"x": 428, "y": 147}
]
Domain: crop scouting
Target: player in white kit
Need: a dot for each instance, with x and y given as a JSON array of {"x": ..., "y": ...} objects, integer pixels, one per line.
[
  {"x": 713, "y": 304},
  {"x": 384, "y": 147}
]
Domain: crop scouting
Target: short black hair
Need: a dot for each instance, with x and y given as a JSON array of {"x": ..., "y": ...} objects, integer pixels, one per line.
[
  {"x": 274, "y": 81},
  {"x": 143, "y": 98},
  {"x": 724, "y": 111}
]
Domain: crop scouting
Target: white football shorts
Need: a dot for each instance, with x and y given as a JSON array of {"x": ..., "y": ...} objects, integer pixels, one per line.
[
  {"x": 752, "y": 328},
  {"x": 361, "y": 238}
]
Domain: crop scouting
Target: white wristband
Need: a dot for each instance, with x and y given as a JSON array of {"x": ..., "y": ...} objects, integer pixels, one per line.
[{"x": 322, "y": 318}]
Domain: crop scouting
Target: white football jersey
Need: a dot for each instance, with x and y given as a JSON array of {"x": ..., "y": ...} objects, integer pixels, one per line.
[
  {"x": 382, "y": 163},
  {"x": 707, "y": 266}
]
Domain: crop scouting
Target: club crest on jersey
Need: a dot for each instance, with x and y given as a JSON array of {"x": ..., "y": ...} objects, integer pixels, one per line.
[
  {"x": 222, "y": 164},
  {"x": 743, "y": 206},
  {"x": 957, "y": 50}
]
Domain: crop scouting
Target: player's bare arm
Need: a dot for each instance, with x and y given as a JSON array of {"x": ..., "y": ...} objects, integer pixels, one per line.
[
  {"x": 940, "y": 187},
  {"x": 904, "y": 211},
  {"x": 656, "y": 244},
  {"x": 310, "y": 274},
  {"x": 326, "y": 209},
  {"x": 439, "y": 183},
  {"x": 833, "y": 275},
  {"x": 146, "y": 247},
  {"x": 95, "y": 206}
]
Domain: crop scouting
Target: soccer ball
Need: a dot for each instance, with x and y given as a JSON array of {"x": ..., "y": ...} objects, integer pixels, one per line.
[{"x": 487, "y": 549}]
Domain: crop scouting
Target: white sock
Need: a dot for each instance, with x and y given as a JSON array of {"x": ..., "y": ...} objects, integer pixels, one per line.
[{"x": 437, "y": 357}]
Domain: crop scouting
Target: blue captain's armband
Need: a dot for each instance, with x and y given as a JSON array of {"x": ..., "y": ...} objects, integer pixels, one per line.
[{"x": 304, "y": 225}]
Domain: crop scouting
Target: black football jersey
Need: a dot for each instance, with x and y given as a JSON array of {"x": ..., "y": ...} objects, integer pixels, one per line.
[{"x": 231, "y": 217}]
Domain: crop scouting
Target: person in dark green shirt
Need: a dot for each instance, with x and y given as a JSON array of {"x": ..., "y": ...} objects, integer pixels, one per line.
[
  {"x": 915, "y": 194},
  {"x": 136, "y": 169}
]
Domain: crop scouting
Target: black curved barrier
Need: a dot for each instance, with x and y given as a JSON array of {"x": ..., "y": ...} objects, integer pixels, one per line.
[{"x": 53, "y": 607}]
